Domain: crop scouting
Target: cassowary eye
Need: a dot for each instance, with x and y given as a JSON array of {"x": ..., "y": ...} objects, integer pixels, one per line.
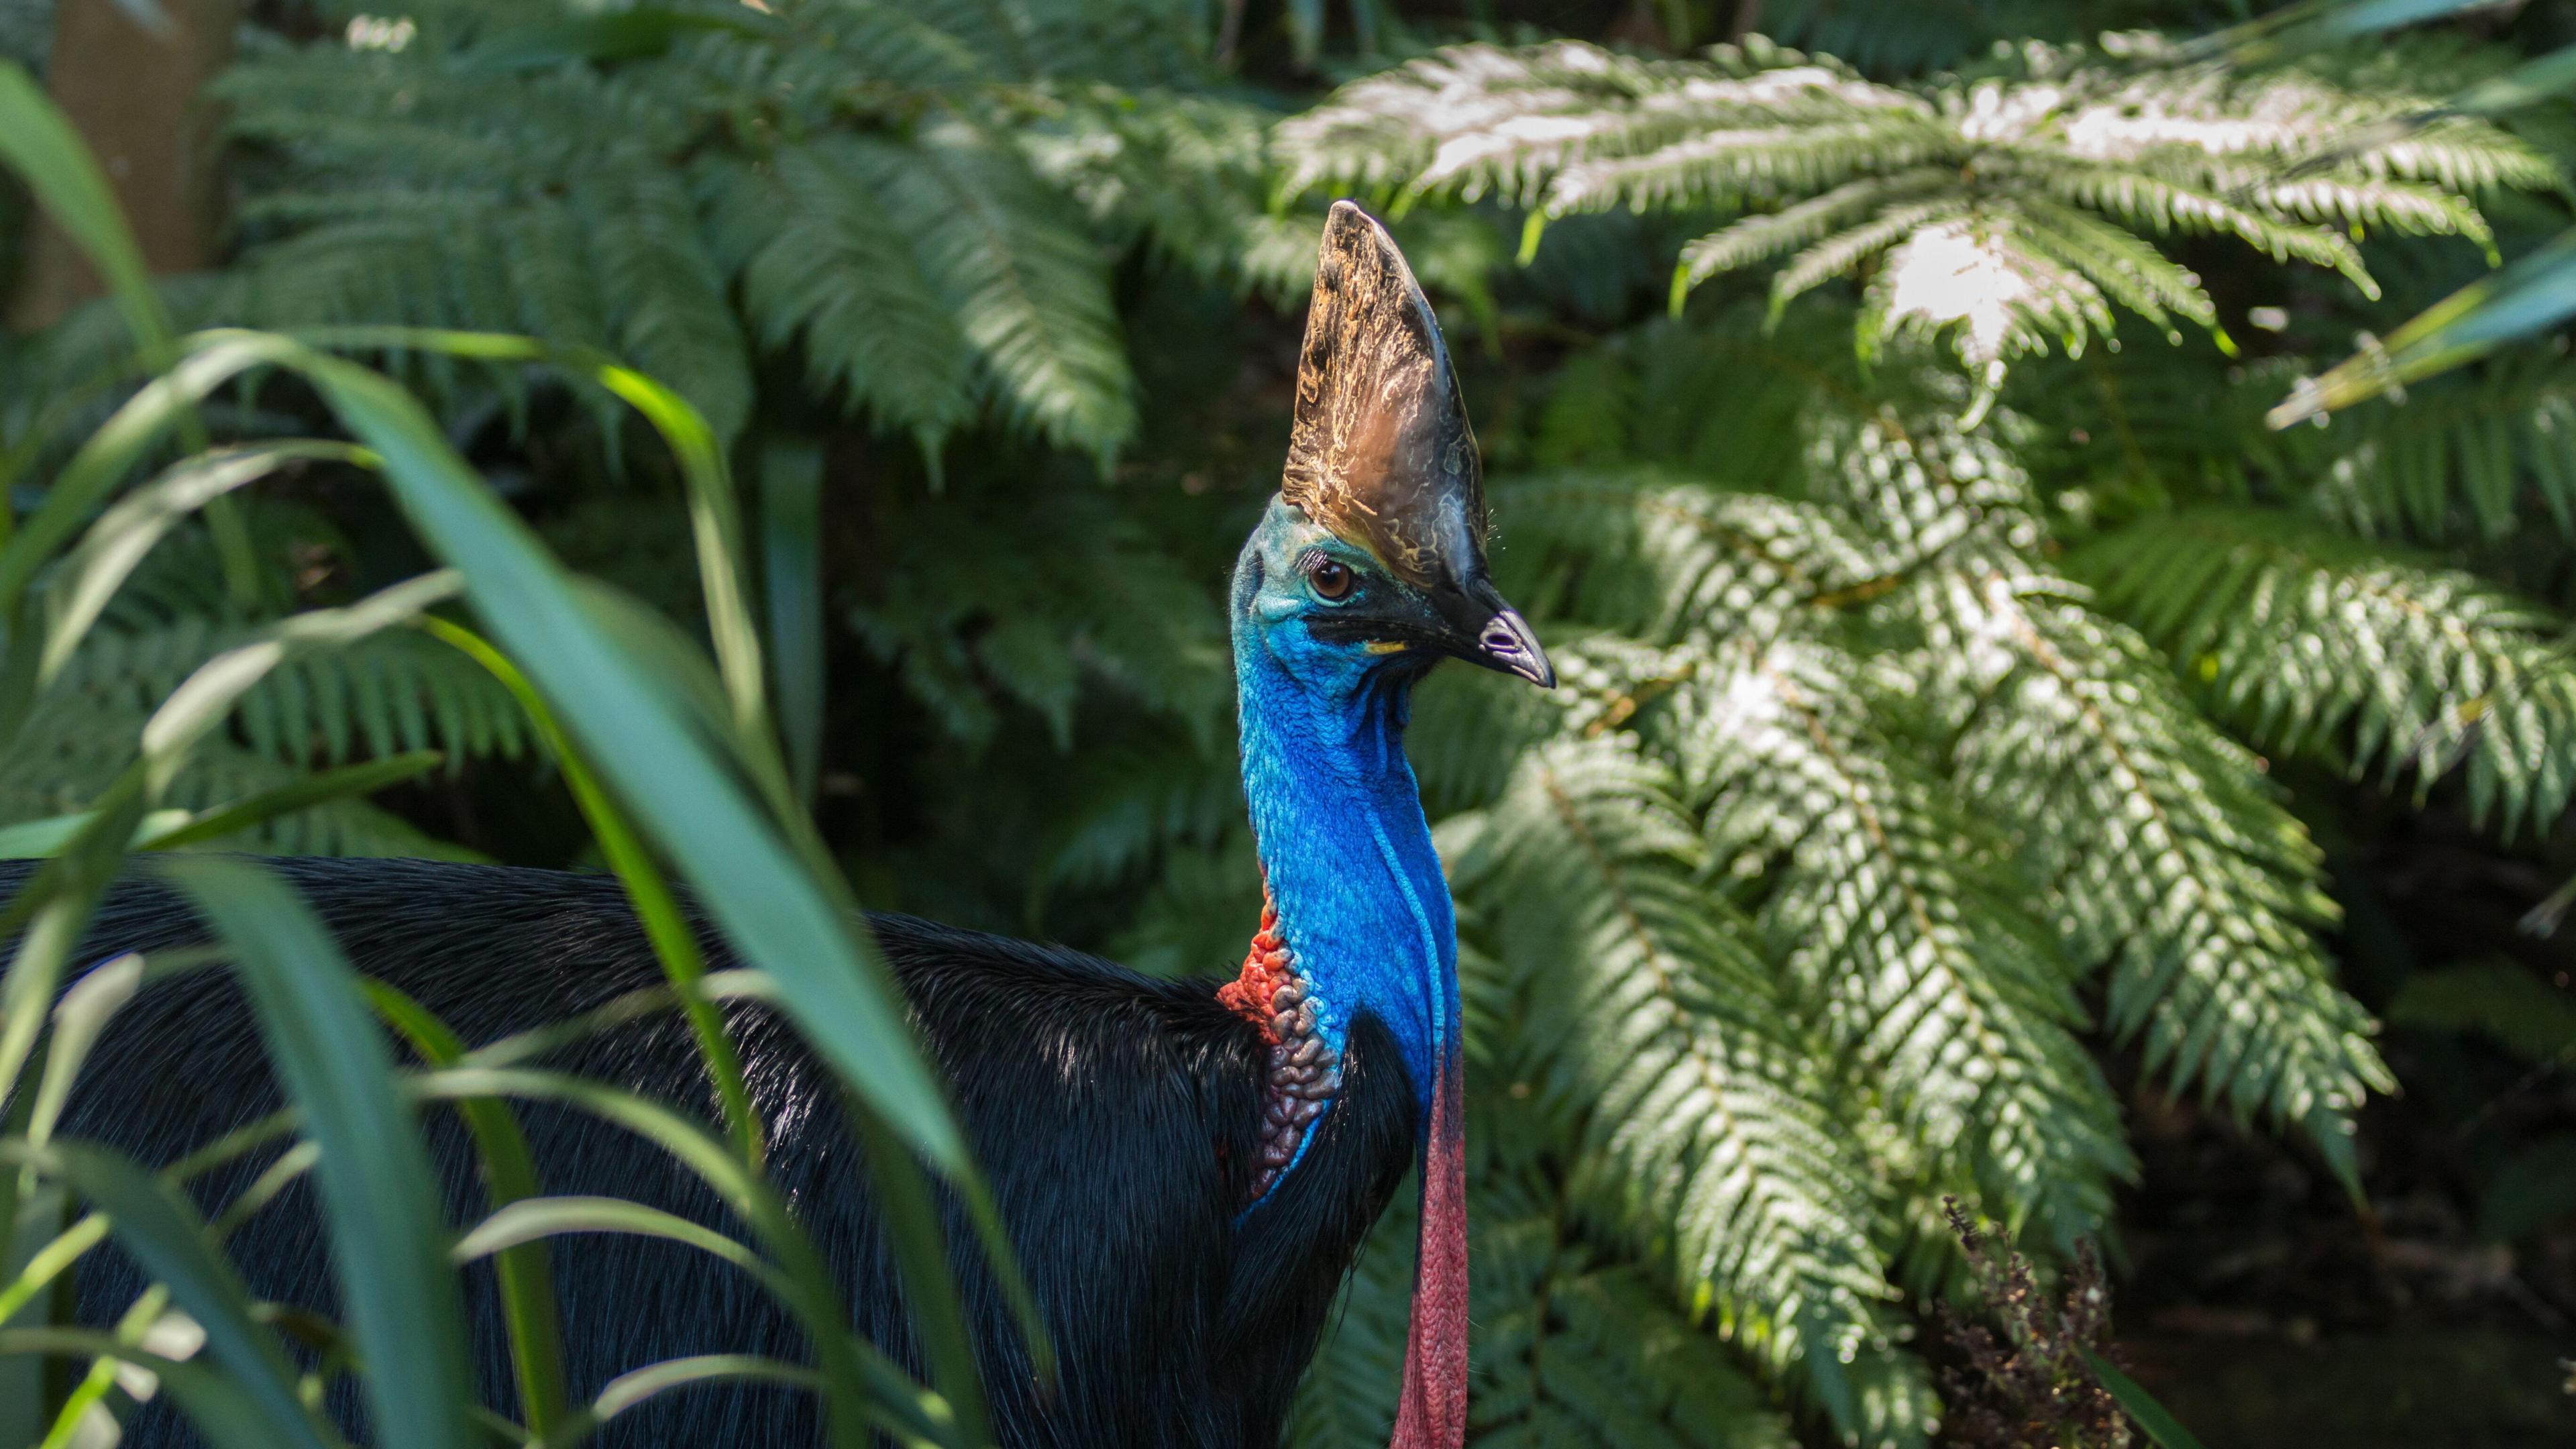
[{"x": 1332, "y": 579}]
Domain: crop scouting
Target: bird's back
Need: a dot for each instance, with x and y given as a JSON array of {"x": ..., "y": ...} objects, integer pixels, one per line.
[{"x": 1117, "y": 1119}]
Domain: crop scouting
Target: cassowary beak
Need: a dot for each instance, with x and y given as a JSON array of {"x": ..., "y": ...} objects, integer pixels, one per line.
[{"x": 1483, "y": 629}]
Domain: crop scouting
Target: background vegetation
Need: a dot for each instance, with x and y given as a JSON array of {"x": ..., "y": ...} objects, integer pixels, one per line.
[{"x": 1996, "y": 762}]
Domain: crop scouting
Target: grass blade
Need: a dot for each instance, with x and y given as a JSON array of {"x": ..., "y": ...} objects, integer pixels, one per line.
[
  {"x": 37, "y": 140},
  {"x": 535, "y": 1219},
  {"x": 630, "y": 1389},
  {"x": 778, "y": 915},
  {"x": 227, "y": 1414},
  {"x": 204, "y": 698},
  {"x": 159, "y": 1228},
  {"x": 2161, "y": 1426},
  {"x": 524, "y": 1274},
  {"x": 364, "y": 778},
  {"x": 791, "y": 530},
  {"x": 125, "y": 533},
  {"x": 860, "y": 1384},
  {"x": 675, "y": 944},
  {"x": 387, "y": 1239}
]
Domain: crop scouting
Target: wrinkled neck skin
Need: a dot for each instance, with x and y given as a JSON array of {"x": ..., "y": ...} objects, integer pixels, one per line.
[{"x": 1345, "y": 851}]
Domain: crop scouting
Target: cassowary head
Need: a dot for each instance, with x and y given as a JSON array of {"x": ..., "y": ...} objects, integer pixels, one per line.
[{"x": 1374, "y": 551}]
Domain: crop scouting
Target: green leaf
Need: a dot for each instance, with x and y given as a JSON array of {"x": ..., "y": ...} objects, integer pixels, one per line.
[
  {"x": 791, "y": 518},
  {"x": 342, "y": 783},
  {"x": 637, "y": 1385},
  {"x": 534, "y": 1219},
  {"x": 160, "y": 1229},
  {"x": 2161, "y": 1426},
  {"x": 2536, "y": 292},
  {"x": 228, "y": 1414},
  {"x": 523, "y": 1273},
  {"x": 107, "y": 555},
  {"x": 672, "y": 779},
  {"x": 38, "y": 142},
  {"x": 383, "y": 1206}
]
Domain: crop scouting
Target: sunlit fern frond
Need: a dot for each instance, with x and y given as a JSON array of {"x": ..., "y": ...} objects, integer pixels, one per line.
[
  {"x": 2158, "y": 847},
  {"x": 1650, "y": 1014},
  {"x": 2010, "y": 205},
  {"x": 1899, "y": 921},
  {"x": 1662, "y": 559},
  {"x": 2315, "y": 642}
]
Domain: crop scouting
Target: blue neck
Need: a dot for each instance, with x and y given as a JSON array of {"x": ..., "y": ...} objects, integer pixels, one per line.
[{"x": 1348, "y": 859}]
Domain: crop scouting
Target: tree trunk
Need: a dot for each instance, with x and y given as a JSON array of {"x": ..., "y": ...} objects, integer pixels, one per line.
[{"x": 133, "y": 90}]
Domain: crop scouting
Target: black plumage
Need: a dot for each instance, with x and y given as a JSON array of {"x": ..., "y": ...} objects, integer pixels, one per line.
[{"x": 1117, "y": 1118}]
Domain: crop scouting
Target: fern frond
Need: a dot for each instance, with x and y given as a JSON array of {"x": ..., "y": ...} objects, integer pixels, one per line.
[
  {"x": 1931, "y": 175},
  {"x": 2160, "y": 849},
  {"x": 1663, "y": 559},
  {"x": 1032, "y": 295},
  {"x": 821, "y": 258},
  {"x": 2461, "y": 454},
  {"x": 1760, "y": 238},
  {"x": 668, "y": 309},
  {"x": 392, "y": 692},
  {"x": 1652, "y": 1013},
  {"x": 2313, "y": 641},
  {"x": 1917, "y": 954}
]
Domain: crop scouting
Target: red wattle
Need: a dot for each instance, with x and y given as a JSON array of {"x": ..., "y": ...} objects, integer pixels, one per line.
[{"x": 1433, "y": 1412}]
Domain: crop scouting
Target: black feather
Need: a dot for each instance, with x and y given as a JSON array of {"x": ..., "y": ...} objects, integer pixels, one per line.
[{"x": 1115, "y": 1116}]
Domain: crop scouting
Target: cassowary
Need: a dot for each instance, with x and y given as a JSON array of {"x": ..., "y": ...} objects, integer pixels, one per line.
[{"x": 1184, "y": 1168}]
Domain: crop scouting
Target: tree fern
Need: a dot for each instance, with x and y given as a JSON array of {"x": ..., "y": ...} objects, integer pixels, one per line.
[
  {"x": 914, "y": 197},
  {"x": 388, "y": 694},
  {"x": 2160, "y": 850},
  {"x": 2313, "y": 640},
  {"x": 1918, "y": 956},
  {"x": 2009, "y": 204},
  {"x": 1649, "y": 1007}
]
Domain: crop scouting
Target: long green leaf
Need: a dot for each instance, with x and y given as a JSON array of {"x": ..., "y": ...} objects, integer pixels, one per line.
[
  {"x": 667, "y": 775},
  {"x": 2534, "y": 293},
  {"x": 675, "y": 944},
  {"x": 159, "y": 1228},
  {"x": 523, "y": 1271},
  {"x": 387, "y": 1238},
  {"x": 791, "y": 528},
  {"x": 2153, "y": 1417},
  {"x": 225, "y": 1412},
  {"x": 345, "y": 782},
  {"x": 860, "y": 1384},
  {"x": 206, "y": 697},
  {"x": 38, "y": 141},
  {"x": 535, "y": 1219},
  {"x": 108, "y": 554},
  {"x": 630, "y": 1389}
]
